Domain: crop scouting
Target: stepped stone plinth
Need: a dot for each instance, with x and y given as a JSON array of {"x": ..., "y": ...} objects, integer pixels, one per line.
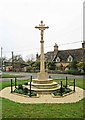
[
  {"x": 48, "y": 81},
  {"x": 44, "y": 88},
  {"x": 45, "y": 85}
]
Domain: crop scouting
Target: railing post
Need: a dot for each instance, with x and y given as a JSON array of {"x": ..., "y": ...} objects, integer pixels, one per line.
[
  {"x": 30, "y": 85},
  {"x": 74, "y": 85},
  {"x": 11, "y": 86},
  {"x": 15, "y": 82},
  {"x": 61, "y": 88},
  {"x": 66, "y": 81}
]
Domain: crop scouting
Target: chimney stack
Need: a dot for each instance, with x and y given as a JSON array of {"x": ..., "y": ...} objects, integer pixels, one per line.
[{"x": 55, "y": 48}]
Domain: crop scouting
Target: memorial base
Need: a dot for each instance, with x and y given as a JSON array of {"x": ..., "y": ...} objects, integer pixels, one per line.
[{"x": 43, "y": 85}]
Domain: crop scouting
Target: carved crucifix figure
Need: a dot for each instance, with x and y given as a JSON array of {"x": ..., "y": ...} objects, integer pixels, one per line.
[{"x": 42, "y": 27}]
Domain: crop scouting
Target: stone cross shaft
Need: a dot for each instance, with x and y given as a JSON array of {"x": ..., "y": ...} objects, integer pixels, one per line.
[{"x": 42, "y": 27}]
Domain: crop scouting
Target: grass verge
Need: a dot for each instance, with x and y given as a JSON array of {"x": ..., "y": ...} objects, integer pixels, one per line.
[
  {"x": 11, "y": 76},
  {"x": 15, "y": 110}
]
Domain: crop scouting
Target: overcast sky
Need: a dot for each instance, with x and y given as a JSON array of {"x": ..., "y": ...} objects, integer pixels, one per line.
[{"x": 18, "y": 19}]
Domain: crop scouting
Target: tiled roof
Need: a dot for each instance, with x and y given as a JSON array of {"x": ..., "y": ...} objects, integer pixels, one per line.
[{"x": 77, "y": 54}]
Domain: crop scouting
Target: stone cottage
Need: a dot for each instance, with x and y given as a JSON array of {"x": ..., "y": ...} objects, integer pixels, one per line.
[{"x": 64, "y": 57}]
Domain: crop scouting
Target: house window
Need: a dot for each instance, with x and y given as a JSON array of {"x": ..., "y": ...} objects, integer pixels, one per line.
[
  {"x": 57, "y": 59},
  {"x": 70, "y": 58}
]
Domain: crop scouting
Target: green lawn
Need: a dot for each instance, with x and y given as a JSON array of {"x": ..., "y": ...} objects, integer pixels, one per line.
[
  {"x": 11, "y": 76},
  {"x": 15, "y": 110},
  {"x": 79, "y": 82},
  {"x": 11, "y": 109},
  {"x": 7, "y": 83}
]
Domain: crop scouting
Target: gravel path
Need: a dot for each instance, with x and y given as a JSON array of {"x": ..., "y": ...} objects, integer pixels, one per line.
[{"x": 43, "y": 98}]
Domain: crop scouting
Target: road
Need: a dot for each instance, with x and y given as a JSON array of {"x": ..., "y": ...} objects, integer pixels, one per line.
[{"x": 53, "y": 76}]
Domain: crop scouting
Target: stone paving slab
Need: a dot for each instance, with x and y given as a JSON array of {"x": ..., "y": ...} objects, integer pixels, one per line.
[{"x": 72, "y": 98}]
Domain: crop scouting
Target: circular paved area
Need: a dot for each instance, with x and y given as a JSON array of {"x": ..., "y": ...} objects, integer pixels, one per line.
[{"x": 72, "y": 98}]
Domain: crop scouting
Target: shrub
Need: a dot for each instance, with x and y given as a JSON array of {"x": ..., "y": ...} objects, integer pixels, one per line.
[
  {"x": 32, "y": 93},
  {"x": 20, "y": 91},
  {"x": 67, "y": 90},
  {"x": 20, "y": 86},
  {"x": 73, "y": 72},
  {"x": 26, "y": 83},
  {"x": 25, "y": 90},
  {"x": 64, "y": 91},
  {"x": 16, "y": 90},
  {"x": 82, "y": 73},
  {"x": 56, "y": 93}
]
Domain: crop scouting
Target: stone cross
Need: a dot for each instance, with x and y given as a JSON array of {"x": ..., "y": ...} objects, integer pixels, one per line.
[{"x": 42, "y": 27}]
